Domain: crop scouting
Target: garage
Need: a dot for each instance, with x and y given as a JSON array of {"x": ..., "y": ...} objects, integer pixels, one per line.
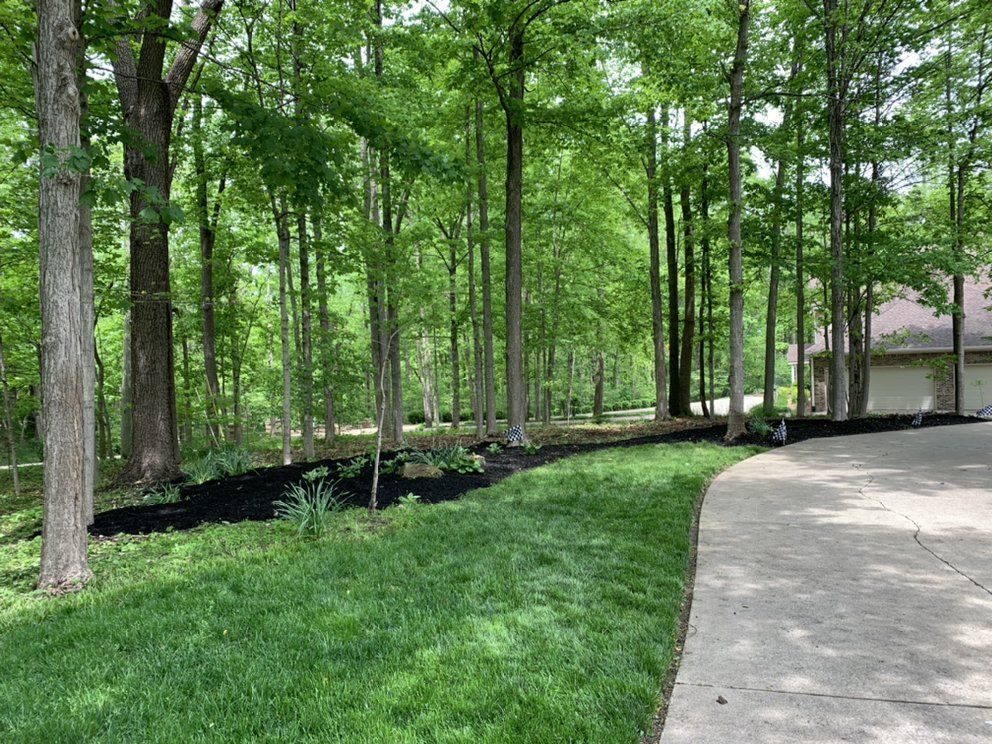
[
  {"x": 903, "y": 389},
  {"x": 977, "y": 386}
]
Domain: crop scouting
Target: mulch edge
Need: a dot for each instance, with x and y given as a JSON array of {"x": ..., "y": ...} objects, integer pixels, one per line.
[{"x": 653, "y": 736}]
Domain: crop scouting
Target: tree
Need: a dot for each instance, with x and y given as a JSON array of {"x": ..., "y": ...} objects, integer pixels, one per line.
[
  {"x": 63, "y": 551},
  {"x": 148, "y": 100},
  {"x": 735, "y": 419}
]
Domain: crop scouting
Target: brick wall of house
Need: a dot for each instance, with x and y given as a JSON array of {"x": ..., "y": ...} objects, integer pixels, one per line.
[{"x": 941, "y": 370}]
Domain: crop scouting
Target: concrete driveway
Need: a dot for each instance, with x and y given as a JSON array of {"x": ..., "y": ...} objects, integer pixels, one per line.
[{"x": 844, "y": 594}]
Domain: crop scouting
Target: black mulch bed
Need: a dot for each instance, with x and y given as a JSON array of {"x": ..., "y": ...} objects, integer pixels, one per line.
[{"x": 251, "y": 496}]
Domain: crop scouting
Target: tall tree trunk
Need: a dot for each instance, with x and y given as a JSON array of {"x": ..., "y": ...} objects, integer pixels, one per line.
[
  {"x": 8, "y": 424},
  {"x": 282, "y": 232},
  {"x": 127, "y": 390},
  {"x": 571, "y": 380},
  {"x": 148, "y": 100},
  {"x": 63, "y": 546},
  {"x": 598, "y": 377},
  {"x": 456, "y": 396},
  {"x": 326, "y": 368},
  {"x": 771, "y": 313},
  {"x": 103, "y": 412},
  {"x": 704, "y": 212},
  {"x": 735, "y": 419},
  {"x": 835, "y": 117},
  {"x": 702, "y": 342},
  {"x": 689, "y": 313},
  {"x": 516, "y": 388},
  {"x": 306, "y": 328},
  {"x": 208, "y": 238},
  {"x": 671, "y": 251},
  {"x": 654, "y": 240},
  {"x": 487, "y": 301},
  {"x": 801, "y": 402},
  {"x": 186, "y": 429},
  {"x": 478, "y": 388}
]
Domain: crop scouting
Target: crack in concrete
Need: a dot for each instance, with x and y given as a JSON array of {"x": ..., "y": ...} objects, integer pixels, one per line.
[
  {"x": 837, "y": 696},
  {"x": 916, "y": 535}
]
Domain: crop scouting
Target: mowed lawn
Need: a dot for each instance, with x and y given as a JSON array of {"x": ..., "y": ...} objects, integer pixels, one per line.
[{"x": 544, "y": 609}]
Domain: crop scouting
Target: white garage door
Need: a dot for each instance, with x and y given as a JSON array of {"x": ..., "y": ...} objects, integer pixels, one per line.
[
  {"x": 977, "y": 386},
  {"x": 900, "y": 389}
]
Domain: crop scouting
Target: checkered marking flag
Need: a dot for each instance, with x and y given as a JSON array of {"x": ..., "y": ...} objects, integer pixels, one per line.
[
  {"x": 917, "y": 421},
  {"x": 780, "y": 434},
  {"x": 515, "y": 434},
  {"x": 985, "y": 412}
]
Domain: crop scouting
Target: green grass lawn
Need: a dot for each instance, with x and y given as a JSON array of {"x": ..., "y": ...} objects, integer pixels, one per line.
[{"x": 544, "y": 609}]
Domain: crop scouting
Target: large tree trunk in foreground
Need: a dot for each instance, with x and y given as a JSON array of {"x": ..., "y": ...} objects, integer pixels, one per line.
[
  {"x": 654, "y": 243},
  {"x": 735, "y": 420},
  {"x": 63, "y": 546}
]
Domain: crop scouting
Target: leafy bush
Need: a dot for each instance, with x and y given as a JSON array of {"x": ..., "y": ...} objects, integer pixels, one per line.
[
  {"x": 495, "y": 448},
  {"x": 531, "y": 449},
  {"x": 219, "y": 463},
  {"x": 756, "y": 423},
  {"x": 163, "y": 493},
  {"x": 318, "y": 473},
  {"x": 353, "y": 468},
  {"x": 408, "y": 500},
  {"x": 395, "y": 465},
  {"x": 454, "y": 458},
  {"x": 309, "y": 505}
]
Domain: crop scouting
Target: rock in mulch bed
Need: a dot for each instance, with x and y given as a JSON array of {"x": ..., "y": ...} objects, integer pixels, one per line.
[{"x": 251, "y": 496}]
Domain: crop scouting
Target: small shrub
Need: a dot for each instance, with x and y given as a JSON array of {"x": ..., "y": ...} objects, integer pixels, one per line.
[
  {"x": 163, "y": 493},
  {"x": 318, "y": 473},
  {"x": 232, "y": 460},
  {"x": 757, "y": 425},
  {"x": 531, "y": 449},
  {"x": 201, "y": 470},
  {"x": 309, "y": 506},
  {"x": 495, "y": 448},
  {"x": 408, "y": 500},
  {"x": 395, "y": 465},
  {"x": 353, "y": 468},
  {"x": 454, "y": 458}
]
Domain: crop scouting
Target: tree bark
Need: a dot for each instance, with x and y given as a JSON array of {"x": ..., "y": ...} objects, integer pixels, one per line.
[
  {"x": 478, "y": 388},
  {"x": 8, "y": 424},
  {"x": 306, "y": 335},
  {"x": 735, "y": 420},
  {"x": 127, "y": 390},
  {"x": 87, "y": 306},
  {"x": 516, "y": 389},
  {"x": 484, "y": 260},
  {"x": 208, "y": 238},
  {"x": 801, "y": 403},
  {"x": 671, "y": 251},
  {"x": 654, "y": 239},
  {"x": 326, "y": 368},
  {"x": 63, "y": 547},
  {"x": 835, "y": 117},
  {"x": 771, "y": 313},
  {"x": 689, "y": 312},
  {"x": 282, "y": 233},
  {"x": 148, "y": 100}
]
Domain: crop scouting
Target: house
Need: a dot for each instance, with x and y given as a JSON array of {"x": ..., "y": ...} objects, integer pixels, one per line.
[{"x": 912, "y": 362}]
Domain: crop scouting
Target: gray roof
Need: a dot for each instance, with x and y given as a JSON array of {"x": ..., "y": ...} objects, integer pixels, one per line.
[{"x": 905, "y": 324}]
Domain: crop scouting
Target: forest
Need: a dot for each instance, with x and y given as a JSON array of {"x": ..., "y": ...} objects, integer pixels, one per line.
[{"x": 268, "y": 223}]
